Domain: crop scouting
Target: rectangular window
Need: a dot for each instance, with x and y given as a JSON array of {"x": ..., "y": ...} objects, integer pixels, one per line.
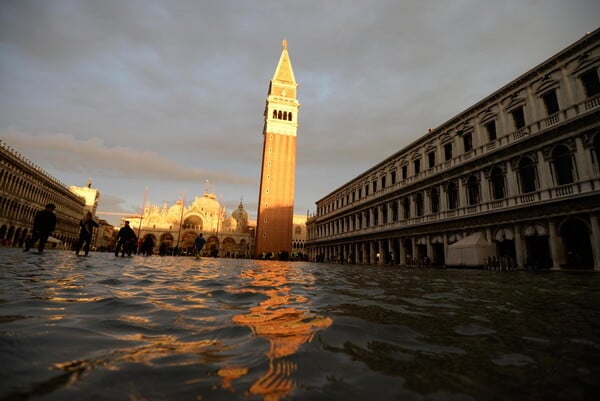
[
  {"x": 359, "y": 193},
  {"x": 551, "y": 102},
  {"x": 374, "y": 186},
  {"x": 404, "y": 172},
  {"x": 490, "y": 127},
  {"x": 431, "y": 159},
  {"x": 468, "y": 142},
  {"x": 448, "y": 151},
  {"x": 518, "y": 117},
  {"x": 590, "y": 82},
  {"x": 382, "y": 182},
  {"x": 393, "y": 174},
  {"x": 367, "y": 190},
  {"x": 417, "y": 165}
]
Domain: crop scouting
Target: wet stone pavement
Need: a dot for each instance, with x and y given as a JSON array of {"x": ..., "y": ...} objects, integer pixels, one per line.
[{"x": 166, "y": 328}]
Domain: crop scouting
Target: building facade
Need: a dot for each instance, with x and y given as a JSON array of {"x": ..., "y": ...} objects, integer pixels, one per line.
[
  {"x": 277, "y": 181},
  {"x": 519, "y": 170},
  {"x": 25, "y": 189},
  {"x": 178, "y": 225}
]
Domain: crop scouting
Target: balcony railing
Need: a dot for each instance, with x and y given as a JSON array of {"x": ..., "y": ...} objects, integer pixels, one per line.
[{"x": 530, "y": 130}]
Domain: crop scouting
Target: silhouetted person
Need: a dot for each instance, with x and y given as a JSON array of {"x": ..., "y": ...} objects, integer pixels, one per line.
[
  {"x": 86, "y": 228},
  {"x": 148, "y": 245},
  {"x": 198, "y": 245},
  {"x": 44, "y": 223},
  {"x": 126, "y": 240}
]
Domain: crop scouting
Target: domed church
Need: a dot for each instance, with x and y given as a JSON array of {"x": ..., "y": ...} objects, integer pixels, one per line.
[{"x": 176, "y": 227}]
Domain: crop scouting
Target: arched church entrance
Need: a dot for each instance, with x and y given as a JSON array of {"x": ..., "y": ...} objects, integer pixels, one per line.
[
  {"x": 187, "y": 241},
  {"x": 578, "y": 247},
  {"x": 228, "y": 248}
]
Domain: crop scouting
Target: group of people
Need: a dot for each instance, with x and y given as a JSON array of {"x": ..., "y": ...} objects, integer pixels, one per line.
[{"x": 44, "y": 223}]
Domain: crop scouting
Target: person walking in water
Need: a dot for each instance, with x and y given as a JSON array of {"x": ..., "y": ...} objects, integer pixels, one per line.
[
  {"x": 44, "y": 223},
  {"x": 126, "y": 240},
  {"x": 198, "y": 245},
  {"x": 86, "y": 228}
]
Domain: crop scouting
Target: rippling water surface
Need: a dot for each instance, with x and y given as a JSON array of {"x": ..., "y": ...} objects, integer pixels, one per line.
[{"x": 152, "y": 328}]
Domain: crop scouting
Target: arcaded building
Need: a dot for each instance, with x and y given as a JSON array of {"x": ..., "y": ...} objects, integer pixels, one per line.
[
  {"x": 25, "y": 189},
  {"x": 178, "y": 225},
  {"x": 516, "y": 174},
  {"x": 274, "y": 222}
]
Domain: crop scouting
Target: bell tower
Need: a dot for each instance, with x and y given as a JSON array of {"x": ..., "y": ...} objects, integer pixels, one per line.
[{"x": 274, "y": 221}]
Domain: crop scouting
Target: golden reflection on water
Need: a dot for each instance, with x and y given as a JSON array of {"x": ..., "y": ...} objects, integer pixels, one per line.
[{"x": 285, "y": 321}]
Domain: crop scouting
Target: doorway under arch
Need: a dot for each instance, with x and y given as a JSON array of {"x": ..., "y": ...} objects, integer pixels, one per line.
[{"x": 578, "y": 247}]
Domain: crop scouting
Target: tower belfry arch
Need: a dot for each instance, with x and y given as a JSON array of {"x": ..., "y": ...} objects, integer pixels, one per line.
[{"x": 276, "y": 196}]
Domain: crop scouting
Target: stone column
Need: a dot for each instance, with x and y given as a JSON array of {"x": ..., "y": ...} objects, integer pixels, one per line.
[
  {"x": 519, "y": 246},
  {"x": 554, "y": 244}
]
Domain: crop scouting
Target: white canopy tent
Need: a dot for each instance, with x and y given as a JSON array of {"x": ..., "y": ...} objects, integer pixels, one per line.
[{"x": 470, "y": 251}]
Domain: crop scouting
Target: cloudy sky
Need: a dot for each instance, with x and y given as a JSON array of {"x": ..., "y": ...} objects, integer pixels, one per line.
[{"x": 167, "y": 95}]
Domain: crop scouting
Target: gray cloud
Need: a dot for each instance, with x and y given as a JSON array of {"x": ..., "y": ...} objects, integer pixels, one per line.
[{"x": 172, "y": 93}]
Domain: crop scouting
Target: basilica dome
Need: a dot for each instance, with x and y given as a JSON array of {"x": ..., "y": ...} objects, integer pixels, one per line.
[
  {"x": 207, "y": 203},
  {"x": 240, "y": 213}
]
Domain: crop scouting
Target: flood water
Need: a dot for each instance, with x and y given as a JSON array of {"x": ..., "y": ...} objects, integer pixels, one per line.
[{"x": 165, "y": 328}]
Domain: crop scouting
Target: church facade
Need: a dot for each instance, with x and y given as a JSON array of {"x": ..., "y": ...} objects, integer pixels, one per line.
[
  {"x": 177, "y": 226},
  {"x": 515, "y": 176},
  {"x": 274, "y": 224}
]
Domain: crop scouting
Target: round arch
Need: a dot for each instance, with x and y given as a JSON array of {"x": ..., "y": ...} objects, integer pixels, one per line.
[{"x": 575, "y": 234}]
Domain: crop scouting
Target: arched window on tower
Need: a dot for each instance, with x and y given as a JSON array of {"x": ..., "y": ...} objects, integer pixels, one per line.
[
  {"x": 285, "y": 115},
  {"x": 274, "y": 113},
  {"x": 290, "y": 116},
  {"x": 279, "y": 114}
]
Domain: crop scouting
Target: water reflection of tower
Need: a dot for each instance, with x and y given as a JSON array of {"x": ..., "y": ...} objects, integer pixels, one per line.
[
  {"x": 285, "y": 321},
  {"x": 274, "y": 222}
]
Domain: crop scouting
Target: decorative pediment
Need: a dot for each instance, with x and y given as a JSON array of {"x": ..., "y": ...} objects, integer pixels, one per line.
[
  {"x": 545, "y": 84},
  {"x": 584, "y": 63},
  {"x": 513, "y": 101}
]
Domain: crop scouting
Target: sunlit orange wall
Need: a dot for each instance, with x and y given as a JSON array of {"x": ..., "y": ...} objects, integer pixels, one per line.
[{"x": 276, "y": 199}]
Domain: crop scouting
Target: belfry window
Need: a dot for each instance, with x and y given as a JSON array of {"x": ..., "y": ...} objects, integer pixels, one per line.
[
  {"x": 285, "y": 115},
  {"x": 279, "y": 114},
  {"x": 274, "y": 113},
  {"x": 289, "y": 116}
]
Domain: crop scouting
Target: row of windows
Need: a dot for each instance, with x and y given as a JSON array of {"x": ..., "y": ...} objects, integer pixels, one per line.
[
  {"x": 282, "y": 115},
  {"x": 562, "y": 168},
  {"x": 590, "y": 83}
]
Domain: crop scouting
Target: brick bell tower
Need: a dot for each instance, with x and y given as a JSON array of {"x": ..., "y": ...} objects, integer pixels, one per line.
[{"x": 274, "y": 221}]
